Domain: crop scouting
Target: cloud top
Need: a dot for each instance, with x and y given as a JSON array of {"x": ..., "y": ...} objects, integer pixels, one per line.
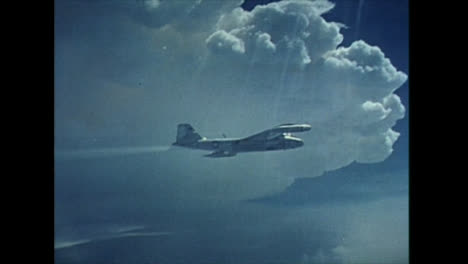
[
  {"x": 347, "y": 93},
  {"x": 283, "y": 30}
]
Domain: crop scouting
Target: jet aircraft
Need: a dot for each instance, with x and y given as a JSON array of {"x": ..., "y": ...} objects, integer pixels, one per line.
[{"x": 276, "y": 138}]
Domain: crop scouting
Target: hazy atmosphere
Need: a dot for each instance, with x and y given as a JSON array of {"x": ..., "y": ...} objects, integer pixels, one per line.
[{"x": 128, "y": 72}]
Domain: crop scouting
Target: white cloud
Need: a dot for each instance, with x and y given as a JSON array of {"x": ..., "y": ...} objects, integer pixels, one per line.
[
  {"x": 223, "y": 41},
  {"x": 295, "y": 28},
  {"x": 346, "y": 93},
  {"x": 366, "y": 68}
]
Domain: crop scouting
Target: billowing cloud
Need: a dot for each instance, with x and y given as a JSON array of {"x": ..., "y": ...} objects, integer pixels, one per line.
[
  {"x": 289, "y": 30},
  {"x": 222, "y": 41},
  {"x": 299, "y": 74}
]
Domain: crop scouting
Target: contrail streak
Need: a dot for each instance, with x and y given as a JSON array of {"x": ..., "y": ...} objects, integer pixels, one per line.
[
  {"x": 358, "y": 19},
  {"x": 106, "y": 152},
  {"x": 68, "y": 244}
]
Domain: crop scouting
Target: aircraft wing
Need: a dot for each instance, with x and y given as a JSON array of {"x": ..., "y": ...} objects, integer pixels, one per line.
[
  {"x": 264, "y": 135},
  {"x": 276, "y": 131}
]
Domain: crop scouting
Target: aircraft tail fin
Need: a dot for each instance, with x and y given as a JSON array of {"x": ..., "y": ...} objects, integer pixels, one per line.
[{"x": 186, "y": 134}]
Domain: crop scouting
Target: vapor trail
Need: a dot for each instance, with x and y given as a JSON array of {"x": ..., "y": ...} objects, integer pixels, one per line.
[
  {"x": 68, "y": 244},
  {"x": 358, "y": 19},
  {"x": 106, "y": 152}
]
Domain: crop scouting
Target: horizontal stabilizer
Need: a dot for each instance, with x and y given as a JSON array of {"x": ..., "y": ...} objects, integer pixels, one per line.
[{"x": 220, "y": 154}]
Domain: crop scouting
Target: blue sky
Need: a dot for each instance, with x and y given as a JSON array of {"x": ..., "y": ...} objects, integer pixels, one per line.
[{"x": 127, "y": 72}]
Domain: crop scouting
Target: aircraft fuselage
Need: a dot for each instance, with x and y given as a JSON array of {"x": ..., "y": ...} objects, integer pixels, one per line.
[{"x": 278, "y": 138}]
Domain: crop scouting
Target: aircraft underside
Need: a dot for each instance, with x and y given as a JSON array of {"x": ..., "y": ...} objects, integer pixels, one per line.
[{"x": 230, "y": 149}]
